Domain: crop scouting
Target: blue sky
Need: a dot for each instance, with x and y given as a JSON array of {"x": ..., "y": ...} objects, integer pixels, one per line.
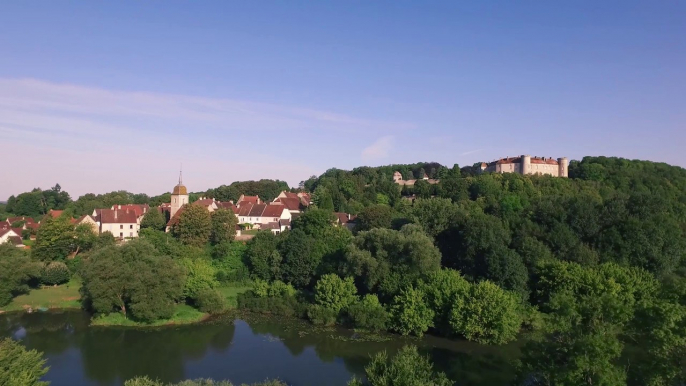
[{"x": 100, "y": 96}]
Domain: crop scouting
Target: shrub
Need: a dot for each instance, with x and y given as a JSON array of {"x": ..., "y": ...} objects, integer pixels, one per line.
[
  {"x": 321, "y": 315},
  {"x": 408, "y": 367},
  {"x": 279, "y": 288},
  {"x": 368, "y": 314},
  {"x": 210, "y": 301},
  {"x": 55, "y": 273},
  {"x": 491, "y": 315},
  {"x": 75, "y": 265},
  {"x": 411, "y": 314},
  {"x": 260, "y": 288},
  {"x": 335, "y": 293},
  {"x": 228, "y": 258}
]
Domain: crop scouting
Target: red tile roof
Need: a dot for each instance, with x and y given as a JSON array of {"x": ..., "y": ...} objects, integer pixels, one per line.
[
  {"x": 139, "y": 209},
  {"x": 3, "y": 232},
  {"x": 55, "y": 213},
  {"x": 257, "y": 210},
  {"x": 228, "y": 205},
  {"x": 305, "y": 198},
  {"x": 118, "y": 216},
  {"x": 204, "y": 202},
  {"x": 248, "y": 199},
  {"x": 175, "y": 219},
  {"x": 244, "y": 210},
  {"x": 292, "y": 203},
  {"x": 270, "y": 225},
  {"x": 273, "y": 210},
  {"x": 344, "y": 218},
  {"x": 16, "y": 240},
  {"x": 27, "y": 220},
  {"x": 547, "y": 161}
]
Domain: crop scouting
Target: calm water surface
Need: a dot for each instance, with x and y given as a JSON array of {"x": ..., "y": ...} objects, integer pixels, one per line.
[{"x": 241, "y": 350}]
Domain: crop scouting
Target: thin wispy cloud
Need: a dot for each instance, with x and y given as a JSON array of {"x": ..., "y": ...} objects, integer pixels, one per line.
[
  {"x": 471, "y": 152},
  {"x": 379, "y": 149},
  {"x": 125, "y": 134}
]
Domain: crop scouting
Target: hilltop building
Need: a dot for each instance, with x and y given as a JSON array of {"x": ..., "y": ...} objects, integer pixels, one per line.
[
  {"x": 527, "y": 164},
  {"x": 398, "y": 179}
]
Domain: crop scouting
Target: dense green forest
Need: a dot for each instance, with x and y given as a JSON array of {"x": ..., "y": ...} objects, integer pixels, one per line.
[{"x": 591, "y": 268}]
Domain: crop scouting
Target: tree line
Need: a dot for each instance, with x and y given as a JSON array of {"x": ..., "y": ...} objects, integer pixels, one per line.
[{"x": 38, "y": 202}]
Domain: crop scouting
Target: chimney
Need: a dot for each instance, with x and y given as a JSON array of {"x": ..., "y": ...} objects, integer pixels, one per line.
[{"x": 115, "y": 214}]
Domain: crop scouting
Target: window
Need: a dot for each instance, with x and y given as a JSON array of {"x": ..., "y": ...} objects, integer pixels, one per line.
[
  {"x": 121, "y": 227},
  {"x": 131, "y": 234},
  {"x": 121, "y": 235},
  {"x": 130, "y": 226}
]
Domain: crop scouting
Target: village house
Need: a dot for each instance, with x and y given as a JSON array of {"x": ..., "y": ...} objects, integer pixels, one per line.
[
  {"x": 346, "y": 220},
  {"x": 10, "y": 236},
  {"x": 87, "y": 219},
  {"x": 122, "y": 223},
  {"x": 274, "y": 216},
  {"x": 295, "y": 202}
]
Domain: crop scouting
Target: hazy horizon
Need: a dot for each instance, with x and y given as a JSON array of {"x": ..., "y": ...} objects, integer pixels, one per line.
[{"x": 115, "y": 96}]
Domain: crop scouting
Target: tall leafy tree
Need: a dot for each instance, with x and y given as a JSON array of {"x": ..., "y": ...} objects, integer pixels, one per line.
[
  {"x": 376, "y": 216},
  {"x": 133, "y": 279},
  {"x": 54, "y": 239},
  {"x": 19, "y": 366},
  {"x": 223, "y": 226},
  {"x": 263, "y": 257},
  {"x": 300, "y": 261},
  {"x": 384, "y": 261},
  {"x": 16, "y": 270},
  {"x": 153, "y": 219},
  {"x": 194, "y": 226}
]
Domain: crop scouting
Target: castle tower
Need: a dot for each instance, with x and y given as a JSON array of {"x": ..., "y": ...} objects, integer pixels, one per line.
[
  {"x": 179, "y": 196},
  {"x": 563, "y": 167},
  {"x": 526, "y": 164}
]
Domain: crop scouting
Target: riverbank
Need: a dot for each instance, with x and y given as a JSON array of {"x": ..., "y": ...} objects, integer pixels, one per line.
[
  {"x": 183, "y": 314},
  {"x": 65, "y": 296}
]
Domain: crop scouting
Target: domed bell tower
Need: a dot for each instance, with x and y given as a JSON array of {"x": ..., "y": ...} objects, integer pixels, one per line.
[{"x": 179, "y": 196}]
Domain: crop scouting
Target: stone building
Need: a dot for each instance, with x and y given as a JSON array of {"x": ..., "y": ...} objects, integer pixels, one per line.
[
  {"x": 398, "y": 179},
  {"x": 527, "y": 164}
]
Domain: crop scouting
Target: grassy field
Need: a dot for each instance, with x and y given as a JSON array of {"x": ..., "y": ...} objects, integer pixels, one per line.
[
  {"x": 61, "y": 296},
  {"x": 184, "y": 314},
  {"x": 231, "y": 293},
  {"x": 250, "y": 232}
]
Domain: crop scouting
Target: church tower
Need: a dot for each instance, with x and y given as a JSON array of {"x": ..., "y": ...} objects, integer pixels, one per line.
[{"x": 179, "y": 196}]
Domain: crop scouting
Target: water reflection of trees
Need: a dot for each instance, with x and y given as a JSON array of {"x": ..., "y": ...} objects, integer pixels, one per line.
[
  {"x": 466, "y": 363},
  {"x": 110, "y": 355}
]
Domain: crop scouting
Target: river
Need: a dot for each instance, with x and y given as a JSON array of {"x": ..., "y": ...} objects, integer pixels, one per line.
[{"x": 247, "y": 349}]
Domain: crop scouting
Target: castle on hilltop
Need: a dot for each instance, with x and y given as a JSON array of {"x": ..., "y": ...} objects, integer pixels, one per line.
[{"x": 527, "y": 164}]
